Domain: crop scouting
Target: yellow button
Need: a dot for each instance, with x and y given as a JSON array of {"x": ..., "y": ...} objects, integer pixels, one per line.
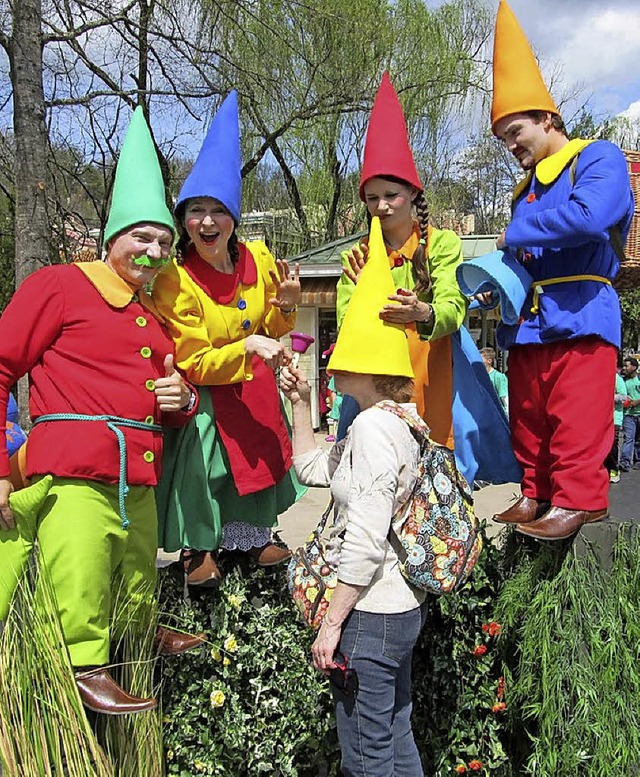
[
  {"x": 145, "y": 352},
  {"x": 141, "y": 321},
  {"x": 150, "y": 384},
  {"x": 148, "y": 456},
  {"x": 149, "y": 420}
]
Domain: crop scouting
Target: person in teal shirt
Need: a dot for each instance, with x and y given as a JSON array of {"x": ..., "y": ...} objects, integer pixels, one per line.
[
  {"x": 631, "y": 420},
  {"x": 620, "y": 397},
  {"x": 334, "y": 412},
  {"x": 498, "y": 379}
]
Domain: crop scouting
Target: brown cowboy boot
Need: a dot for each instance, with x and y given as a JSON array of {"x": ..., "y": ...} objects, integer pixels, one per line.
[
  {"x": 101, "y": 693},
  {"x": 173, "y": 643},
  {"x": 524, "y": 510},
  {"x": 560, "y": 524}
]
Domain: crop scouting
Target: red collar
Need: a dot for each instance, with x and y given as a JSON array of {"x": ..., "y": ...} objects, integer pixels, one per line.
[{"x": 221, "y": 286}]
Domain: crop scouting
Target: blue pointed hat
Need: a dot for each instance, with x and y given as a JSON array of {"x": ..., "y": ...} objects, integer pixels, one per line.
[{"x": 216, "y": 171}]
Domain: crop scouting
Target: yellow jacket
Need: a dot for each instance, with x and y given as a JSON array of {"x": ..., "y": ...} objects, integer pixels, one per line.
[{"x": 208, "y": 335}]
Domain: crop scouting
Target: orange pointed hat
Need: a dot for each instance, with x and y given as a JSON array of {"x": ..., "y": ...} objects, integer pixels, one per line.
[
  {"x": 518, "y": 85},
  {"x": 386, "y": 148},
  {"x": 366, "y": 344}
]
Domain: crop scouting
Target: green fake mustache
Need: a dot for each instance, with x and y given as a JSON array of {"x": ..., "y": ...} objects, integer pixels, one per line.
[{"x": 145, "y": 261}]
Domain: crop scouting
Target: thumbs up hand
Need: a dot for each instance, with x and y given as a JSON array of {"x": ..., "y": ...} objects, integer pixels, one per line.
[{"x": 172, "y": 393}]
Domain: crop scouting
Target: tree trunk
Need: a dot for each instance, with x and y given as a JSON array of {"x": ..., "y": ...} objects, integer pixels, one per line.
[{"x": 32, "y": 232}]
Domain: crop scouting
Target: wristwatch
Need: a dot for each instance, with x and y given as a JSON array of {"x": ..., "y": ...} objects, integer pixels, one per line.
[{"x": 191, "y": 403}]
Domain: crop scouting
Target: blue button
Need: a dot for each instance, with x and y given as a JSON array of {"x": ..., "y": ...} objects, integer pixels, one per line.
[
  {"x": 246, "y": 323},
  {"x": 242, "y": 304}
]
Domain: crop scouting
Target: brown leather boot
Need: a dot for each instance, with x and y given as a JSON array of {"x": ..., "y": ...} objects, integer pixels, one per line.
[
  {"x": 101, "y": 693},
  {"x": 172, "y": 643},
  {"x": 560, "y": 524},
  {"x": 201, "y": 568},
  {"x": 270, "y": 554},
  {"x": 523, "y": 510}
]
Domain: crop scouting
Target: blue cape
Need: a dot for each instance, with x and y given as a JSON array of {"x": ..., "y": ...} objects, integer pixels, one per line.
[{"x": 482, "y": 442}]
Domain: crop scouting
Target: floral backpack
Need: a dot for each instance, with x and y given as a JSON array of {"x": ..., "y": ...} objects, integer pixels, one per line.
[
  {"x": 311, "y": 576},
  {"x": 439, "y": 542}
]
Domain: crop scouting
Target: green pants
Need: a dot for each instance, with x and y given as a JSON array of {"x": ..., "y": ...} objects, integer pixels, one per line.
[{"x": 90, "y": 561}]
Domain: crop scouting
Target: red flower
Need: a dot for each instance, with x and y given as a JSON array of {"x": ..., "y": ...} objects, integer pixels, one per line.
[
  {"x": 479, "y": 650},
  {"x": 493, "y": 629},
  {"x": 475, "y": 766},
  {"x": 460, "y": 769},
  {"x": 500, "y": 689},
  {"x": 499, "y": 707}
]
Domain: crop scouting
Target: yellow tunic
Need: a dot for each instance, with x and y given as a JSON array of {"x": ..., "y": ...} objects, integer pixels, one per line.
[{"x": 208, "y": 335}]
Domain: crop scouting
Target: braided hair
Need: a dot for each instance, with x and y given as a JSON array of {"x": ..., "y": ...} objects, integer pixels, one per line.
[
  {"x": 184, "y": 240},
  {"x": 420, "y": 258}
]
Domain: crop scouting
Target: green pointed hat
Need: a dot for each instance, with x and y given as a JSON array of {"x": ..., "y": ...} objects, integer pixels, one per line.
[{"x": 138, "y": 189}]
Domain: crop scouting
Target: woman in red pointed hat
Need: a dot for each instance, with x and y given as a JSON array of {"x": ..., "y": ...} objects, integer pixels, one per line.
[{"x": 423, "y": 263}]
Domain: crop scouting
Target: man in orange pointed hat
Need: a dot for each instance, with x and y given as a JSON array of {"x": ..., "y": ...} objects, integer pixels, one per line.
[{"x": 570, "y": 216}]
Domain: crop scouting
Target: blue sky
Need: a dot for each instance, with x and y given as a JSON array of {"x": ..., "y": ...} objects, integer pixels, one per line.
[{"x": 596, "y": 42}]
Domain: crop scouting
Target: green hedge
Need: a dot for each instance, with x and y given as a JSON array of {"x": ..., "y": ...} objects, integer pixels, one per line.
[
  {"x": 532, "y": 669},
  {"x": 256, "y": 706}
]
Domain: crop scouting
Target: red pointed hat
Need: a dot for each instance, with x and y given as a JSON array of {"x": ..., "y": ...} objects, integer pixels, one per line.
[{"x": 386, "y": 150}]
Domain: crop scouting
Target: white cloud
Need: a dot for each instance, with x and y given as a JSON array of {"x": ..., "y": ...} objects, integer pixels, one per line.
[
  {"x": 632, "y": 112},
  {"x": 602, "y": 48},
  {"x": 595, "y": 42}
]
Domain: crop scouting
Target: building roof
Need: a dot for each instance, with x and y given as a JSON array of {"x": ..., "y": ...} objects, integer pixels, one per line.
[{"x": 324, "y": 261}]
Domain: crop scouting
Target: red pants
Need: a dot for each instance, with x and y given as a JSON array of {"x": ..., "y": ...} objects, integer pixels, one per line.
[{"x": 561, "y": 415}]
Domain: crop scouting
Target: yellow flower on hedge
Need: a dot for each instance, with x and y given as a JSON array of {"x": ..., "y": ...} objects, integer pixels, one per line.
[
  {"x": 226, "y": 661},
  {"x": 216, "y": 654},
  {"x": 199, "y": 766},
  {"x": 235, "y": 600},
  {"x": 170, "y": 755},
  {"x": 231, "y": 644},
  {"x": 217, "y": 698}
]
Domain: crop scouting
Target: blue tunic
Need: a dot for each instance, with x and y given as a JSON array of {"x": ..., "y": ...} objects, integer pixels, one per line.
[{"x": 564, "y": 231}]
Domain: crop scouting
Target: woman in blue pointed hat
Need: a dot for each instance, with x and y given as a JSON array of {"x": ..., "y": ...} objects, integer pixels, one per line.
[{"x": 227, "y": 476}]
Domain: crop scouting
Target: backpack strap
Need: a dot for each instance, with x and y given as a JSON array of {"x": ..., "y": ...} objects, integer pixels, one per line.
[
  {"x": 418, "y": 427},
  {"x": 420, "y": 431},
  {"x": 615, "y": 235}
]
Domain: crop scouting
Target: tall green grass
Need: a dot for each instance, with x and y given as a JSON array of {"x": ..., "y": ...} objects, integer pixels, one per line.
[
  {"x": 574, "y": 683},
  {"x": 44, "y": 729}
]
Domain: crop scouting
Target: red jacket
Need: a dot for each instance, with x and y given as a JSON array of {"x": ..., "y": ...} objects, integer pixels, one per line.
[{"x": 89, "y": 347}]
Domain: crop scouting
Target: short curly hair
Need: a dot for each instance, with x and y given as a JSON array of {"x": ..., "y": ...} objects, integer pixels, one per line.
[{"x": 395, "y": 387}]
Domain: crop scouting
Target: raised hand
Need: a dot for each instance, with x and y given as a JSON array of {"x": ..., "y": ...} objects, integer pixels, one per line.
[
  {"x": 287, "y": 283},
  {"x": 172, "y": 393},
  {"x": 357, "y": 258},
  {"x": 294, "y": 385}
]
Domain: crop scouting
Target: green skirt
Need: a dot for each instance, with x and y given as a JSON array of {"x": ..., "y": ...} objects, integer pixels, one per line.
[{"x": 197, "y": 496}]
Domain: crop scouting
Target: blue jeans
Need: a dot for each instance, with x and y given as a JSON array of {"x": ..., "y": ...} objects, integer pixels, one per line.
[
  {"x": 374, "y": 729},
  {"x": 631, "y": 444}
]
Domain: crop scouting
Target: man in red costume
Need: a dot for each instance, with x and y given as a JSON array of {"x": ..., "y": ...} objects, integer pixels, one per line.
[{"x": 102, "y": 382}]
